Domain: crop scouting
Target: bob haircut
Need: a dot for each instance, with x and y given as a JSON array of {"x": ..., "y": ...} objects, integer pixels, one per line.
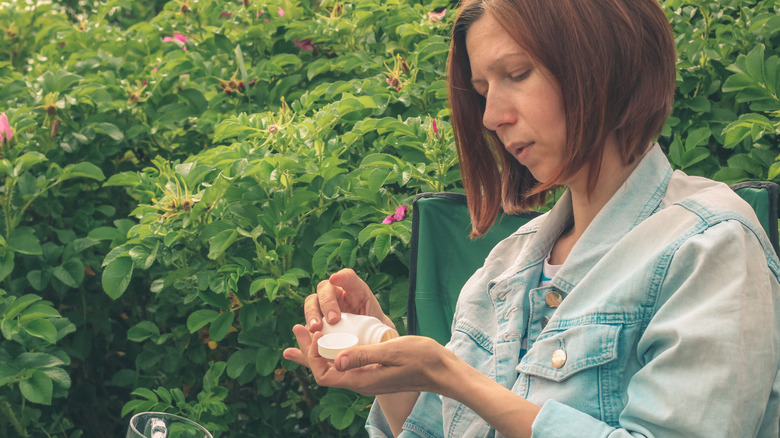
[{"x": 614, "y": 61}]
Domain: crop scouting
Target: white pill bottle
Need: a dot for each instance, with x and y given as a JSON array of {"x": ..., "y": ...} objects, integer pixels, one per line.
[{"x": 353, "y": 330}]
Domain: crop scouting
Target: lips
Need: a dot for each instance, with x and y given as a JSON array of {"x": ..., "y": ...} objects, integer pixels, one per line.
[{"x": 521, "y": 150}]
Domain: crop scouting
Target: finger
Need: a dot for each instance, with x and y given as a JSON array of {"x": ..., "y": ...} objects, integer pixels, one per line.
[
  {"x": 295, "y": 355},
  {"x": 312, "y": 313},
  {"x": 328, "y": 297},
  {"x": 348, "y": 280},
  {"x": 318, "y": 364},
  {"x": 304, "y": 339},
  {"x": 359, "y": 295},
  {"x": 358, "y": 357}
]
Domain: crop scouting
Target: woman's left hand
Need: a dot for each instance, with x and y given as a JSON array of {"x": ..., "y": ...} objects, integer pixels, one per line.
[{"x": 408, "y": 363}]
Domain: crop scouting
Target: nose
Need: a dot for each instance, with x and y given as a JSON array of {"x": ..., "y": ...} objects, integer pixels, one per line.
[{"x": 498, "y": 111}]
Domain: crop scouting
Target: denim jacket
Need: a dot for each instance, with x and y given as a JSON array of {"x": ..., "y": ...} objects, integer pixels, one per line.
[{"x": 669, "y": 323}]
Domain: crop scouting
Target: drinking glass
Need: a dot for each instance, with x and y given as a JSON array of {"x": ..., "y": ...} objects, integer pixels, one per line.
[{"x": 163, "y": 425}]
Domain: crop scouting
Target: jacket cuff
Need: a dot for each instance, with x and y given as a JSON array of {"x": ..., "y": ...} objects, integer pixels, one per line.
[{"x": 559, "y": 420}]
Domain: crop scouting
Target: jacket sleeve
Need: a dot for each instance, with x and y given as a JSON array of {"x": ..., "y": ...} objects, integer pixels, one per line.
[
  {"x": 425, "y": 421},
  {"x": 709, "y": 356}
]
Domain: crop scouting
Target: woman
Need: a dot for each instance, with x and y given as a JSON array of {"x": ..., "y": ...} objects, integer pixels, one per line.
[{"x": 645, "y": 303}]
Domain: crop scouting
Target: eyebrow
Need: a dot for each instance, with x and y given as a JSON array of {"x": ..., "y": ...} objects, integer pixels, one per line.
[{"x": 498, "y": 61}]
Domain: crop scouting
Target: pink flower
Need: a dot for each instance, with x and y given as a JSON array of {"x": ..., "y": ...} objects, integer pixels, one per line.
[
  {"x": 281, "y": 12},
  {"x": 154, "y": 69},
  {"x": 435, "y": 128},
  {"x": 399, "y": 215},
  {"x": 304, "y": 44},
  {"x": 225, "y": 14},
  {"x": 6, "y": 133},
  {"x": 176, "y": 37},
  {"x": 433, "y": 17}
]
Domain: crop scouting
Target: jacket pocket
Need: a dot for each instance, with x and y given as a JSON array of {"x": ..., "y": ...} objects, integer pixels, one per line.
[
  {"x": 562, "y": 354},
  {"x": 579, "y": 367}
]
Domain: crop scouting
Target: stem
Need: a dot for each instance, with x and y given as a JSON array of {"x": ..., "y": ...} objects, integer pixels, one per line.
[
  {"x": 303, "y": 379},
  {"x": 308, "y": 395},
  {"x": 7, "y": 411}
]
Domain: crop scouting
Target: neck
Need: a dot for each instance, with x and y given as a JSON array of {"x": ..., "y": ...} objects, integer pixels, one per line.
[{"x": 587, "y": 204}]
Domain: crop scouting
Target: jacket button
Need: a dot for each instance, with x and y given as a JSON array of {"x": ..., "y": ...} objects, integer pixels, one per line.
[
  {"x": 553, "y": 299},
  {"x": 558, "y": 358},
  {"x": 544, "y": 321}
]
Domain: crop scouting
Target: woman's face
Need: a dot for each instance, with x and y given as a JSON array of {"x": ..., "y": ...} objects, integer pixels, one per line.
[{"x": 524, "y": 105}]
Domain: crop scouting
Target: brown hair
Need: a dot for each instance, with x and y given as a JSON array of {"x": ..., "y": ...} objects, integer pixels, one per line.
[{"x": 615, "y": 63}]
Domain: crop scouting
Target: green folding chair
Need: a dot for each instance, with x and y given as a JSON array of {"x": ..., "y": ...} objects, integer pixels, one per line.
[{"x": 443, "y": 257}]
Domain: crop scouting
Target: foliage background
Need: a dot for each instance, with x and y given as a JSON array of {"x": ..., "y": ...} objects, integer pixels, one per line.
[{"x": 168, "y": 202}]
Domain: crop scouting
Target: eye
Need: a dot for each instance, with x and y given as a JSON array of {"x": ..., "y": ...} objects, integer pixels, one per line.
[
  {"x": 481, "y": 90},
  {"x": 520, "y": 76}
]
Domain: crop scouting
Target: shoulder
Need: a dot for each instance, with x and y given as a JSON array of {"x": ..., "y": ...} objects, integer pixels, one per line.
[
  {"x": 506, "y": 251},
  {"x": 700, "y": 206}
]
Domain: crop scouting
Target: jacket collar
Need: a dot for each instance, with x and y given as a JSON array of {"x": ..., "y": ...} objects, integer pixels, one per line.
[{"x": 633, "y": 202}]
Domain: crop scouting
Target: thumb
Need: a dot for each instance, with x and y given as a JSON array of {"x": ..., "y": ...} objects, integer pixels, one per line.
[{"x": 358, "y": 357}]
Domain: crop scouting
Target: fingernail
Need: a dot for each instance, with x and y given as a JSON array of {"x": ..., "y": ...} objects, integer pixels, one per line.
[
  {"x": 312, "y": 322},
  {"x": 343, "y": 363},
  {"x": 332, "y": 316}
]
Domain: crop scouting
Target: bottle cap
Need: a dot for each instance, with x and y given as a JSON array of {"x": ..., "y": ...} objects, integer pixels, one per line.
[
  {"x": 330, "y": 345},
  {"x": 389, "y": 334}
]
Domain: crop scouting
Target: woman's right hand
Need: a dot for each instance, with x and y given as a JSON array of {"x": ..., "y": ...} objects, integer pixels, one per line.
[{"x": 344, "y": 291}]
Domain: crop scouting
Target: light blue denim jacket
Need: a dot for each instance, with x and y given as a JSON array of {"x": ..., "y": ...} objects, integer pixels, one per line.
[{"x": 669, "y": 324}]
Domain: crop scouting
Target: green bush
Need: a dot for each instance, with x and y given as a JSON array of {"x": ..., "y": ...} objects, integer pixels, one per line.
[{"x": 183, "y": 174}]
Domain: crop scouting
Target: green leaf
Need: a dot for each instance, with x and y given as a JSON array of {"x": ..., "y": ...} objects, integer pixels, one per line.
[
  {"x": 730, "y": 175},
  {"x": 694, "y": 156},
  {"x": 735, "y": 134},
  {"x": 238, "y": 361},
  {"x": 143, "y": 331},
  {"x": 132, "y": 405},
  {"x": 116, "y": 276},
  {"x": 128, "y": 179},
  {"x": 746, "y": 163},
  {"x": 110, "y": 130},
  {"x": 199, "y": 318},
  {"x": 267, "y": 360},
  {"x": 38, "y": 388},
  {"x": 59, "y": 81},
  {"x": 20, "y": 304},
  {"x": 26, "y": 161},
  {"x": 697, "y": 137},
  {"x": 738, "y": 82},
  {"x": 146, "y": 393},
  {"x": 755, "y": 63},
  {"x": 82, "y": 170},
  {"x": 342, "y": 418},
  {"x": 39, "y": 309},
  {"x": 142, "y": 256},
  {"x": 219, "y": 243},
  {"x": 38, "y": 360},
  {"x": 700, "y": 104},
  {"x": 221, "y": 325},
  {"x": 23, "y": 241},
  {"x": 774, "y": 171},
  {"x": 6, "y": 264},
  {"x": 59, "y": 376},
  {"x": 42, "y": 329},
  {"x": 382, "y": 246},
  {"x": 71, "y": 273}
]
